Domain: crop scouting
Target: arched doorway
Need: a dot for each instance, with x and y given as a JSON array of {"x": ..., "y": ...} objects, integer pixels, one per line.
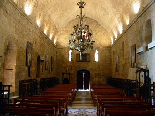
[
  {"x": 10, "y": 65},
  {"x": 83, "y": 79}
]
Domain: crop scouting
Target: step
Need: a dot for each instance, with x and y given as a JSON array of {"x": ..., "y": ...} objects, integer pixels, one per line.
[
  {"x": 83, "y": 102},
  {"x": 83, "y": 99},
  {"x": 82, "y": 106}
]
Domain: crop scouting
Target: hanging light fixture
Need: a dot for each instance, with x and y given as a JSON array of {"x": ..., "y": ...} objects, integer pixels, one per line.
[{"x": 81, "y": 38}]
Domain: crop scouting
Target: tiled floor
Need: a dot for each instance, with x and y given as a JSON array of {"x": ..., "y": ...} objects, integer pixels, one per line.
[
  {"x": 83, "y": 111},
  {"x": 82, "y": 105}
]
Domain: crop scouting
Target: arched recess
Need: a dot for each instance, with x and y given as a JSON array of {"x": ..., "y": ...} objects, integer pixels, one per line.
[
  {"x": 83, "y": 79},
  {"x": 148, "y": 32},
  {"x": 9, "y": 67},
  {"x": 38, "y": 67}
]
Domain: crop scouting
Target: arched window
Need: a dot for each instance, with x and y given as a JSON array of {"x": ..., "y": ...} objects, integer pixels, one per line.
[
  {"x": 96, "y": 56},
  {"x": 148, "y": 32},
  {"x": 70, "y": 55}
]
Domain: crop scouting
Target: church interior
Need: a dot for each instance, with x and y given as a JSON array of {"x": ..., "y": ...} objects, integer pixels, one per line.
[{"x": 97, "y": 47}]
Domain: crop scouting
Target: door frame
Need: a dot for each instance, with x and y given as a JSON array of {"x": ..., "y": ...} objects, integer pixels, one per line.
[{"x": 86, "y": 72}]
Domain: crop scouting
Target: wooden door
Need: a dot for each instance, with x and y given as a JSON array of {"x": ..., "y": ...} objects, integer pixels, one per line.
[
  {"x": 80, "y": 81},
  {"x": 83, "y": 79},
  {"x": 86, "y": 81}
]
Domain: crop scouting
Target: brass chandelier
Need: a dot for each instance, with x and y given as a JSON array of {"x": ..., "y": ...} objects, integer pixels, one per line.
[{"x": 81, "y": 38}]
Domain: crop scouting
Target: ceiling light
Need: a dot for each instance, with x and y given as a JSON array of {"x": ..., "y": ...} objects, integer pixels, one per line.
[
  {"x": 136, "y": 7},
  {"x": 38, "y": 23},
  {"x": 55, "y": 41},
  {"x": 112, "y": 41},
  {"x": 115, "y": 35},
  {"x": 127, "y": 21},
  {"x": 45, "y": 32},
  {"x": 81, "y": 38},
  {"x": 120, "y": 29},
  {"x": 28, "y": 9},
  {"x": 50, "y": 36}
]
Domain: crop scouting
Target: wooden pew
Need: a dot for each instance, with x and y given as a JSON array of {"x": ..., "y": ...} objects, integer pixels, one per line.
[
  {"x": 124, "y": 102},
  {"x": 100, "y": 100},
  {"x": 45, "y": 104},
  {"x": 26, "y": 107},
  {"x": 70, "y": 94},
  {"x": 60, "y": 103},
  {"x": 62, "y": 89},
  {"x": 61, "y": 99},
  {"x": 48, "y": 82},
  {"x": 29, "y": 111},
  {"x": 104, "y": 92},
  {"x": 129, "y": 86},
  {"x": 101, "y": 86},
  {"x": 53, "y": 101},
  {"x": 110, "y": 99},
  {"x": 129, "y": 112},
  {"x": 130, "y": 107},
  {"x": 120, "y": 102}
]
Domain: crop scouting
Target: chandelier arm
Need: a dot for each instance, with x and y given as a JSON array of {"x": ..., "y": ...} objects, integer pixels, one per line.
[{"x": 81, "y": 39}]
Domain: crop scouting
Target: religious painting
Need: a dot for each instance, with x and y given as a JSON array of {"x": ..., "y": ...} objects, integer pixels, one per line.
[
  {"x": 84, "y": 57},
  {"x": 29, "y": 54},
  {"x": 133, "y": 55},
  {"x": 46, "y": 61},
  {"x": 51, "y": 63},
  {"x": 117, "y": 63}
]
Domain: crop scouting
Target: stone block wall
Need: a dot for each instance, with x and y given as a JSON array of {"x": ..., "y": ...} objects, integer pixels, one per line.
[
  {"x": 135, "y": 34},
  {"x": 17, "y": 28},
  {"x": 99, "y": 71}
]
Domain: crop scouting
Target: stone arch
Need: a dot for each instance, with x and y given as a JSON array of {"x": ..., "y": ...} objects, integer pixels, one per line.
[
  {"x": 10, "y": 38},
  {"x": 148, "y": 32},
  {"x": 9, "y": 67}
]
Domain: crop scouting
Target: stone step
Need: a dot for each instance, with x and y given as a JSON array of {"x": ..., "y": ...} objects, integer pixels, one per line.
[
  {"x": 85, "y": 93},
  {"x": 81, "y": 106},
  {"x": 83, "y": 102},
  {"x": 83, "y": 99}
]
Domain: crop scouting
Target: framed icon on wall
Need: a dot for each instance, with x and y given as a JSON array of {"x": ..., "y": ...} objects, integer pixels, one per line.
[
  {"x": 133, "y": 55},
  {"x": 29, "y": 54},
  {"x": 46, "y": 61}
]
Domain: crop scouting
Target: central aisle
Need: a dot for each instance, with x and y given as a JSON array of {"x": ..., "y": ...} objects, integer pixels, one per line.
[{"x": 82, "y": 105}]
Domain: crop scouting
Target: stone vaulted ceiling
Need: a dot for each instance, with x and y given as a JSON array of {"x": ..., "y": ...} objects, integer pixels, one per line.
[{"x": 106, "y": 18}]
